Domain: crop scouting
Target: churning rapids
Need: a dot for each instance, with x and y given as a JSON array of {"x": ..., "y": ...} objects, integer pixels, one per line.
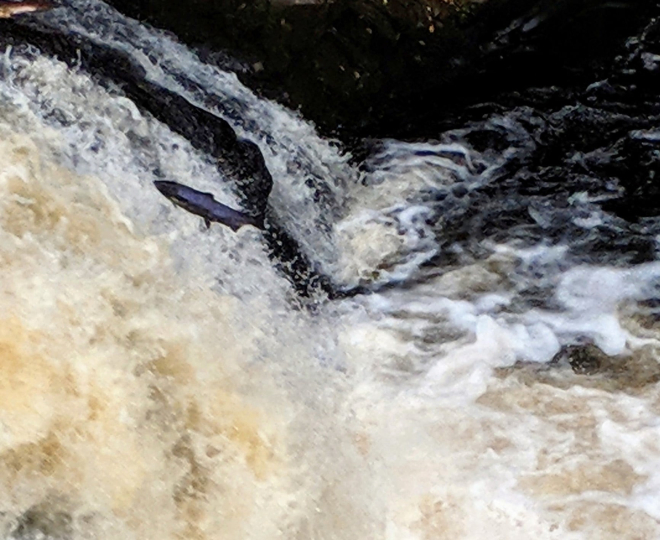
[{"x": 158, "y": 380}]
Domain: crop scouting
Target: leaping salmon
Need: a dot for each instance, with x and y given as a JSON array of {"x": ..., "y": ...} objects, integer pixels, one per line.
[
  {"x": 204, "y": 205},
  {"x": 10, "y": 9}
]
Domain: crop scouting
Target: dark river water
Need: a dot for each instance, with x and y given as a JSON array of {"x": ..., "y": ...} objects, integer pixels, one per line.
[{"x": 161, "y": 380}]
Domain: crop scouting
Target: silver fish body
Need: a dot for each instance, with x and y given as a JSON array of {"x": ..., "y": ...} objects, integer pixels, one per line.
[{"x": 204, "y": 205}]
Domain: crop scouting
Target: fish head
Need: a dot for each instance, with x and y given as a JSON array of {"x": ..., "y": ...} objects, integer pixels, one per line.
[
  {"x": 184, "y": 196},
  {"x": 173, "y": 191},
  {"x": 169, "y": 189}
]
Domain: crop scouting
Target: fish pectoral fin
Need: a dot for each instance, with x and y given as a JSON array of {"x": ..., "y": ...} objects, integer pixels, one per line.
[{"x": 207, "y": 223}]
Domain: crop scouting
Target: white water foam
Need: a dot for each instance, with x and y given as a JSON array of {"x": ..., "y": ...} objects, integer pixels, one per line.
[
  {"x": 277, "y": 131},
  {"x": 160, "y": 383},
  {"x": 325, "y": 230}
]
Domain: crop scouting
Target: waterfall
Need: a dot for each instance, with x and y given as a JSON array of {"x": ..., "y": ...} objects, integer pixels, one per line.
[{"x": 162, "y": 380}]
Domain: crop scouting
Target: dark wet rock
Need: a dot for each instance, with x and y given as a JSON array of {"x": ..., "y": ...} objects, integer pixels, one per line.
[
  {"x": 586, "y": 365},
  {"x": 581, "y": 169},
  {"x": 583, "y": 359},
  {"x": 459, "y": 191},
  {"x": 48, "y": 519},
  {"x": 390, "y": 67},
  {"x": 635, "y": 159},
  {"x": 334, "y": 59}
]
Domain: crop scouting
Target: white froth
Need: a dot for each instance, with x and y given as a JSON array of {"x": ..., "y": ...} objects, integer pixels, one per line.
[
  {"x": 276, "y": 130},
  {"x": 175, "y": 392}
]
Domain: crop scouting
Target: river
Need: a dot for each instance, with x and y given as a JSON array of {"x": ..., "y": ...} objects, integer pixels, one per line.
[{"x": 161, "y": 380}]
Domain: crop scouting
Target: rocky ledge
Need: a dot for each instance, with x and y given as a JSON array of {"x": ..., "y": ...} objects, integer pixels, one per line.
[{"x": 392, "y": 67}]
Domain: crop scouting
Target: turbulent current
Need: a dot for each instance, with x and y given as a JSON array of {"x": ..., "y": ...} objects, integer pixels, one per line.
[{"x": 159, "y": 380}]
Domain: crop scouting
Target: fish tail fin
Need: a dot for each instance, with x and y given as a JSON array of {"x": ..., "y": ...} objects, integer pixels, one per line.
[
  {"x": 255, "y": 221},
  {"x": 258, "y": 222},
  {"x": 247, "y": 219}
]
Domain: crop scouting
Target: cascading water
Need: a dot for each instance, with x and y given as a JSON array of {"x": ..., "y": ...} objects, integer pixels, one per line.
[{"x": 163, "y": 381}]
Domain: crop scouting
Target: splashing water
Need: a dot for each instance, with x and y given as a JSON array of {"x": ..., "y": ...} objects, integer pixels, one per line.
[{"x": 160, "y": 381}]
